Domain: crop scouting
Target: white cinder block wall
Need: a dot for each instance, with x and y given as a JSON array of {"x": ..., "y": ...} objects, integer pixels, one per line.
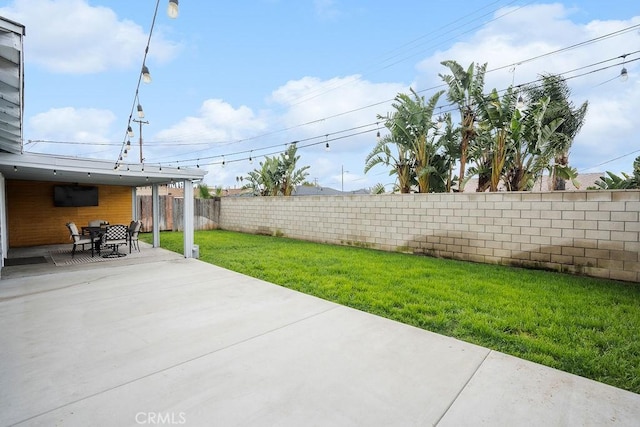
[{"x": 594, "y": 233}]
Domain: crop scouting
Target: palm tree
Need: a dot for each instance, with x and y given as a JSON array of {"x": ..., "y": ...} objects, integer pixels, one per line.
[
  {"x": 381, "y": 154},
  {"x": 413, "y": 121},
  {"x": 611, "y": 181},
  {"x": 501, "y": 120},
  {"x": 449, "y": 140},
  {"x": 278, "y": 175},
  {"x": 465, "y": 89},
  {"x": 289, "y": 177},
  {"x": 531, "y": 141},
  {"x": 413, "y": 132},
  {"x": 560, "y": 107}
]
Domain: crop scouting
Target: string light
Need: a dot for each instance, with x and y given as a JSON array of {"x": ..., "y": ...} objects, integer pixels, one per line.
[
  {"x": 146, "y": 76},
  {"x": 172, "y": 9},
  {"x": 140, "y": 112},
  {"x": 129, "y": 134},
  {"x": 624, "y": 75}
]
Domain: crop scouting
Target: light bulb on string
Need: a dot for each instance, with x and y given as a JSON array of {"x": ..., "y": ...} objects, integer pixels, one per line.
[
  {"x": 624, "y": 75},
  {"x": 146, "y": 76},
  {"x": 172, "y": 9}
]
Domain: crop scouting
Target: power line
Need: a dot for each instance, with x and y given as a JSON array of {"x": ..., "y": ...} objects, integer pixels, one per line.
[
  {"x": 320, "y": 120},
  {"x": 374, "y": 126},
  {"x": 448, "y": 105}
]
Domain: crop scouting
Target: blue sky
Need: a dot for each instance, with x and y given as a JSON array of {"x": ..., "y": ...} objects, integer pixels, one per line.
[{"x": 233, "y": 80}]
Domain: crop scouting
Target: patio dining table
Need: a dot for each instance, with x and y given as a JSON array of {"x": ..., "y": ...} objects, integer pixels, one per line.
[{"x": 94, "y": 232}]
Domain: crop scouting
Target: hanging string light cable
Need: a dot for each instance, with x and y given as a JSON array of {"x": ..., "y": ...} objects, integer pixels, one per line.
[
  {"x": 144, "y": 75},
  {"x": 448, "y": 108}
]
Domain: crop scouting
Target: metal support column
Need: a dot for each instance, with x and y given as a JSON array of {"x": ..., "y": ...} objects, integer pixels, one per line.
[
  {"x": 188, "y": 228},
  {"x": 155, "y": 202}
]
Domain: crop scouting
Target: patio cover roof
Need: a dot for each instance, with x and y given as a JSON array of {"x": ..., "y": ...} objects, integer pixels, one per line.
[
  {"x": 46, "y": 167},
  {"x": 11, "y": 85}
]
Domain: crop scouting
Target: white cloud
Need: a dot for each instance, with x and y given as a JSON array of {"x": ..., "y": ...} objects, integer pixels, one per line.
[
  {"x": 218, "y": 122},
  {"x": 326, "y": 10},
  {"x": 310, "y": 99},
  {"x": 324, "y": 102},
  {"x": 70, "y": 36},
  {"x": 83, "y": 125},
  {"x": 214, "y": 131},
  {"x": 535, "y": 30}
]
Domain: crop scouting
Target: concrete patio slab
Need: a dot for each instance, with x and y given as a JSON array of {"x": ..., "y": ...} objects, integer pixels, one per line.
[
  {"x": 518, "y": 392},
  {"x": 179, "y": 341}
]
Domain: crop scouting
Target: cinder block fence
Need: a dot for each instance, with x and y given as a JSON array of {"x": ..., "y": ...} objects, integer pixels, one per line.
[{"x": 594, "y": 233}]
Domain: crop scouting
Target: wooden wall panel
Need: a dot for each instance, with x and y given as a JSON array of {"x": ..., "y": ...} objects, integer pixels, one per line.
[{"x": 33, "y": 220}]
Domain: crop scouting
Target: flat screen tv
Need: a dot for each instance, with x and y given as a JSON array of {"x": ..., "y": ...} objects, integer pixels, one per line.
[{"x": 75, "y": 196}]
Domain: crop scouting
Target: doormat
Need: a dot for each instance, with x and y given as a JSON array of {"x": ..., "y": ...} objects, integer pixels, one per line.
[{"x": 10, "y": 262}]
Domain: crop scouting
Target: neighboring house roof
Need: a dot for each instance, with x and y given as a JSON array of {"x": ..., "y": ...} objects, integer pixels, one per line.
[
  {"x": 307, "y": 190},
  {"x": 584, "y": 179},
  {"x": 11, "y": 85}
]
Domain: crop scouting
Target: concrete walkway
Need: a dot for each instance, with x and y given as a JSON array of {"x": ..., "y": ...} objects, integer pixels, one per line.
[{"x": 177, "y": 341}]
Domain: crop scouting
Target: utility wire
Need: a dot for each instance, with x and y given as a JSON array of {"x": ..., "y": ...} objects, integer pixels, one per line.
[
  {"x": 374, "y": 126},
  {"x": 441, "y": 86},
  {"x": 450, "y": 109}
]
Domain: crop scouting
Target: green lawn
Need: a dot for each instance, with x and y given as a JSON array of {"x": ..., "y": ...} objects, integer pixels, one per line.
[{"x": 586, "y": 326}]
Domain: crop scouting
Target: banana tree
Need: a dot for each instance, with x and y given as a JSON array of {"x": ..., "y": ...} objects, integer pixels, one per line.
[
  {"x": 531, "y": 152},
  {"x": 415, "y": 128},
  {"x": 501, "y": 120},
  {"x": 465, "y": 90},
  {"x": 399, "y": 162},
  {"x": 449, "y": 140},
  {"x": 288, "y": 176},
  {"x": 560, "y": 106}
]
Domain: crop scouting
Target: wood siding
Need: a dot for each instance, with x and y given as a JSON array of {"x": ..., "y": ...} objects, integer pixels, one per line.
[{"x": 33, "y": 220}]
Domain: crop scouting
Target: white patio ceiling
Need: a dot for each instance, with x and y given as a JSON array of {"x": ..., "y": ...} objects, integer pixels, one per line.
[{"x": 44, "y": 167}]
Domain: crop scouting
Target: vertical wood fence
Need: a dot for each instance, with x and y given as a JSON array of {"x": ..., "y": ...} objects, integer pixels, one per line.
[{"x": 206, "y": 213}]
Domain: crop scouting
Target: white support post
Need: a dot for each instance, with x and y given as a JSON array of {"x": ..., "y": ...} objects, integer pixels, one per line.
[
  {"x": 155, "y": 202},
  {"x": 187, "y": 224},
  {"x": 134, "y": 204}
]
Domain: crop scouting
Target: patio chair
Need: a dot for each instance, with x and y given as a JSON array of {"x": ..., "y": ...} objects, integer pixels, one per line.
[
  {"x": 134, "y": 230},
  {"x": 78, "y": 239},
  {"x": 115, "y": 236}
]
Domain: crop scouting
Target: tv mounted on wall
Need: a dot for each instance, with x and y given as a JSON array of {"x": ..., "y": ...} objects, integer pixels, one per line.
[{"x": 74, "y": 196}]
